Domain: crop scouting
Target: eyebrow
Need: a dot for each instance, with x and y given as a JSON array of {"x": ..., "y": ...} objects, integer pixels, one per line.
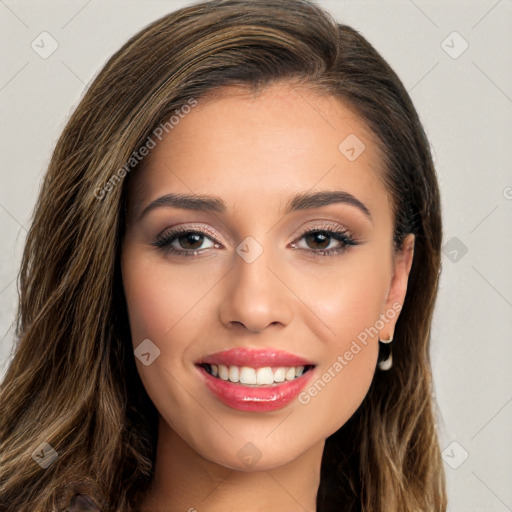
[{"x": 301, "y": 201}]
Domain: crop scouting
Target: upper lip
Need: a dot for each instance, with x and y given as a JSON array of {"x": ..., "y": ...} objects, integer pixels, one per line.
[{"x": 255, "y": 358}]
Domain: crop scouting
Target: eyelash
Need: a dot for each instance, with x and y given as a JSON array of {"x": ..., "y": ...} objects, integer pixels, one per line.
[{"x": 163, "y": 242}]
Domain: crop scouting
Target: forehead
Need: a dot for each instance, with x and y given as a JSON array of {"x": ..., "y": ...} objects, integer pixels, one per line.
[{"x": 241, "y": 145}]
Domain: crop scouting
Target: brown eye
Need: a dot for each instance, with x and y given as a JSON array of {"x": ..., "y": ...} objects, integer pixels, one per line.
[
  {"x": 190, "y": 240},
  {"x": 185, "y": 242},
  {"x": 318, "y": 240}
]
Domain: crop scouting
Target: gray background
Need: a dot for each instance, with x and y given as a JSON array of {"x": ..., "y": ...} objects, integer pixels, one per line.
[{"x": 464, "y": 98}]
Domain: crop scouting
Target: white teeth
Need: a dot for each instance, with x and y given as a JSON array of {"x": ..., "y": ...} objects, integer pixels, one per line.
[
  {"x": 234, "y": 374},
  {"x": 264, "y": 376},
  {"x": 223, "y": 372},
  {"x": 279, "y": 375},
  {"x": 290, "y": 374},
  {"x": 247, "y": 375},
  {"x": 261, "y": 376}
]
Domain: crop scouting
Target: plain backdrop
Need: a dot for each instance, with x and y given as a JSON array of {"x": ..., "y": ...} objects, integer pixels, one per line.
[{"x": 454, "y": 58}]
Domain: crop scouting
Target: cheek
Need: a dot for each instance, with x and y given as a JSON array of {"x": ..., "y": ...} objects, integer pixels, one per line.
[
  {"x": 349, "y": 348},
  {"x": 163, "y": 306},
  {"x": 346, "y": 297},
  {"x": 160, "y": 297},
  {"x": 345, "y": 304}
]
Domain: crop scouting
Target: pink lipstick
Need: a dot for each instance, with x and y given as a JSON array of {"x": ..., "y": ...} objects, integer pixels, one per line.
[{"x": 255, "y": 379}]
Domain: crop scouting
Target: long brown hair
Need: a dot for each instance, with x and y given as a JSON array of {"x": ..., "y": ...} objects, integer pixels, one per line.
[{"x": 73, "y": 382}]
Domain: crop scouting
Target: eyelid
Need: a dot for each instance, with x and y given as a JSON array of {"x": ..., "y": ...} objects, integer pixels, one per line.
[
  {"x": 189, "y": 227},
  {"x": 334, "y": 230},
  {"x": 326, "y": 226},
  {"x": 323, "y": 225}
]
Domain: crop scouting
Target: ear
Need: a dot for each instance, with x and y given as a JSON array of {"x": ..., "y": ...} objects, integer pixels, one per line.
[{"x": 402, "y": 263}]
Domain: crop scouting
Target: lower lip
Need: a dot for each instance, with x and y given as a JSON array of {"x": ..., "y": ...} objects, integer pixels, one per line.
[{"x": 261, "y": 398}]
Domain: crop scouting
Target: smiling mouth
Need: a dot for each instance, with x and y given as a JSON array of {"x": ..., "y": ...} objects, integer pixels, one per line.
[{"x": 256, "y": 377}]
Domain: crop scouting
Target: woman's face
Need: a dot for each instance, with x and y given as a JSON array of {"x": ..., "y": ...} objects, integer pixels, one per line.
[{"x": 239, "y": 272}]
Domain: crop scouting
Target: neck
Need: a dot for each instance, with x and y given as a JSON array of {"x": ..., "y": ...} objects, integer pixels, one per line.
[{"x": 184, "y": 481}]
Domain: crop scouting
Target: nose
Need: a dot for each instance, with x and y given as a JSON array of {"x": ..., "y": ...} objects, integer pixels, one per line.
[{"x": 255, "y": 295}]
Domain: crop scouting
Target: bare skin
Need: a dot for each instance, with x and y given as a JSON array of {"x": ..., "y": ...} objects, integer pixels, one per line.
[{"x": 255, "y": 153}]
